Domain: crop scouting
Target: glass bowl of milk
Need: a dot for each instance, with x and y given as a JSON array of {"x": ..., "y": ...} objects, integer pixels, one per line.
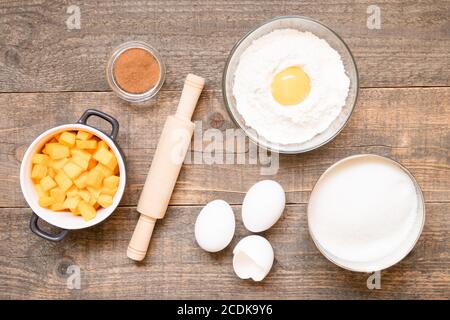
[{"x": 366, "y": 213}]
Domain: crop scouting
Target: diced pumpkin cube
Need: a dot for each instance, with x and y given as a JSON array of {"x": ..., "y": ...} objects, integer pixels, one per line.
[
  {"x": 92, "y": 151},
  {"x": 58, "y": 194},
  {"x": 40, "y": 158},
  {"x": 80, "y": 161},
  {"x": 67, "y": 138},
  {"x": 58, "y": 151},
  {"x": 57, "y": 165},
  {"x": 92, "y": 164},
  {"x": 86, "y": 144},
  {"x": 106, "y": 158},
  {"x": 81, "y": 153},
  {"x": 71, "y": 202},
  {"x": 57, "y": 207},
  {"x": 80, "y": 182},
  {"x": 87, "y": 211},
  {"x": 102, "y": 145},
  {"x": 104, "y": 170},
  {"x": 45, "y": 150},
  {"x": 72, "y": 192},
  {"x": 46, "y": 201},
  {"x": 50, "y": 145},
  {"x": 95, "y": 193},
  {"x": 85, "y": 195},
  {"x": 40, "y": 191},
  {"x": 109, "y": 191},
  {"x": 63, "y": 181},
  {"x": 83, "y": 135},
  {"x": 39, "y": 171},
  {"x": 92, "y": 201},
  {"x": 47, "y": 183},
  {"x": 72, "y": 170},
  {"x": 111, "y": 182},
  {"x": 94, "y": 178},
  {"x": 76, "y": 211},
  {"x": 51, "y": 172},
  {"x": 105, "y": 200}
]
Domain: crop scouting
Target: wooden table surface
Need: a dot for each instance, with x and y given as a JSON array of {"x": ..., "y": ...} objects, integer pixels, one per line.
[{"x": 50, "y": 75}]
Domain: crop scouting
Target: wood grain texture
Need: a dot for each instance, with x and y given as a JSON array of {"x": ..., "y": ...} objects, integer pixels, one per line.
[
  {"x": 409, "y": 125},
  {"x": 176, "y": 268},
  {"x": 39, "y": 53},
  {"x": 50, "y": 75}
]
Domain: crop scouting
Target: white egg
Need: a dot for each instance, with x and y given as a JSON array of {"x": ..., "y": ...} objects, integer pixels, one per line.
[
  {"x": 214, "y": 227},
  {"x": 263, "y": 205},
  {"x": 253, "y": 258}
]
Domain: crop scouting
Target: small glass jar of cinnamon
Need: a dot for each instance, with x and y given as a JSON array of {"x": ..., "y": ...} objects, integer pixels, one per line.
[{"x": 135, "y": 71}]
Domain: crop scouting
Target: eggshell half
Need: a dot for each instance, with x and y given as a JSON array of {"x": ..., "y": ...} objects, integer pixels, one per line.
[
  {"x": 253, "y": 258},
  {"x": 214, "y": 227},
  {"x": 263, "y": 205}
]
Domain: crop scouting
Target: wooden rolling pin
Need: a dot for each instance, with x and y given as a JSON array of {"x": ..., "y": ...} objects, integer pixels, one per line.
[{"x": 169, "y": 156}]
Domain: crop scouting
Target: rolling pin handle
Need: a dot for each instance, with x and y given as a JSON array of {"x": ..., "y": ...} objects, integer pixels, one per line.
[
  {"x": 137, "y": 249},
  {"x": 192, "y": 89}
]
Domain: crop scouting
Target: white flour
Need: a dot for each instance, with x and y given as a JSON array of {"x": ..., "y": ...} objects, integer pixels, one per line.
[
  {"x": 269, "y": 55},
  {"x": 364, "y": 210}
]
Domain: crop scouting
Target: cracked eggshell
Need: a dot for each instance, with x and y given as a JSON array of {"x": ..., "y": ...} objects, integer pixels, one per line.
[
  {"x": 253, "y": 258},
  {"x": 263, "y": 205},
  {"x": 214, "y": 227}
]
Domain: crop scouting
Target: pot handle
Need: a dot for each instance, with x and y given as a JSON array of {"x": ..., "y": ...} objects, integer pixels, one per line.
[
  {"x": 93, "y": 112},
  {"x": 43, "y": 234}
]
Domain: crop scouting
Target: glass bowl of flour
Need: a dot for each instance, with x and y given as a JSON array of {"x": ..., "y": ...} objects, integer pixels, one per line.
[{"x": 291, "y": 84}]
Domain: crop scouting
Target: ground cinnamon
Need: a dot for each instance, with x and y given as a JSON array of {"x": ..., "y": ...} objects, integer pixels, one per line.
[{"x": 136, "y": 70}]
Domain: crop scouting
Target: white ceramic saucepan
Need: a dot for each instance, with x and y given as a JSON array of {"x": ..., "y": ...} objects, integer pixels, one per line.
[{"x": 66, "y": 220}]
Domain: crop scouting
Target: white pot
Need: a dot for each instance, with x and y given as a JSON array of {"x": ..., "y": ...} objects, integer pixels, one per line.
[{"x": 66, "y": 220}]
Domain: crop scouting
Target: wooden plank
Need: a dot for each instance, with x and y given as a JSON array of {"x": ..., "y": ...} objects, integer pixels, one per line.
[
  {"x": 409, "y": 125},
  {"x": 176, "y": 268},
  {"x": 39, "y": 53}
]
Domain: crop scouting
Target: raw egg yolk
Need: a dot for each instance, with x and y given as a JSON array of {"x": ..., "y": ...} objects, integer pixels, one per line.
[{"x": 290, "y": 86}]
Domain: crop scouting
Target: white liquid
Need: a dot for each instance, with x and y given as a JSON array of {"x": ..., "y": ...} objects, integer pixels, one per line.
[{"x": 364, "y": 210}]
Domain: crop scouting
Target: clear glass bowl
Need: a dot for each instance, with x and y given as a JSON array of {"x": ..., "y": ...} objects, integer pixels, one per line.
[
  {"x": 301, "y": 24},
  {"x": 397, "y": 253},
  {"x": 132, "y": 97}
]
